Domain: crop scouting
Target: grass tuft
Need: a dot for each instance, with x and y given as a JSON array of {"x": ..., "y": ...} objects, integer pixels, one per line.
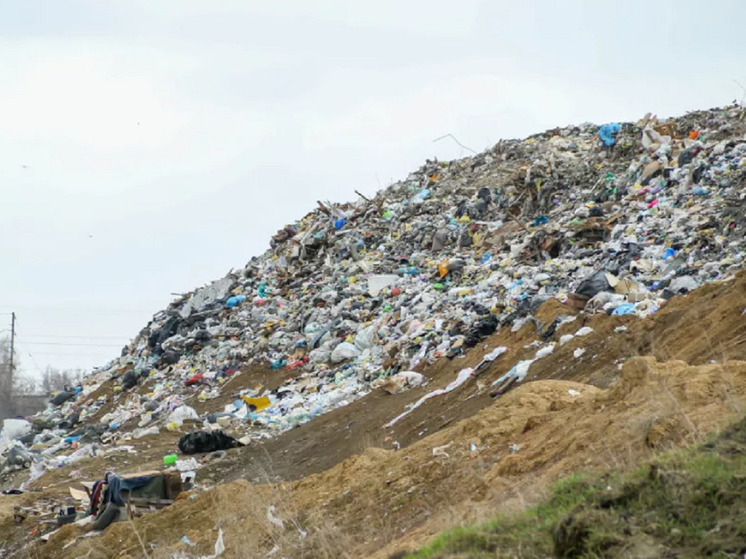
[{"x": 687, "y": 503}]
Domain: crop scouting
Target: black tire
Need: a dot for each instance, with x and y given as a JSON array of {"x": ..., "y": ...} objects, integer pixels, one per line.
[{"x": 106, "y": 516}]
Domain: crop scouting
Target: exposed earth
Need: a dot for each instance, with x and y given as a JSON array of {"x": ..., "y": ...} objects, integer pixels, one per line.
[{"x": 342, "y": 485}]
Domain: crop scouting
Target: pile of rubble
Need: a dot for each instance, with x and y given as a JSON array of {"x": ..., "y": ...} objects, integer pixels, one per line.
[{"x": 614, "y": 219}]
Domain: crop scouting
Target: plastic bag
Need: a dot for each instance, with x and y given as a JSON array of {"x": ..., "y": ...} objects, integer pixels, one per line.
[
  {"x": 344, "y": 351},
  {"x": 182, "y": 413},
  {"x": 593, "y": 285},
  {"x": 366, "y": 338},
  {"x": 235, "y": 300},
  {"x": 379, "y": 282},
  {"x": 14, "y": 428},
  {"x": 608, "y": 131},
  {"x": 400, "y": 382}
]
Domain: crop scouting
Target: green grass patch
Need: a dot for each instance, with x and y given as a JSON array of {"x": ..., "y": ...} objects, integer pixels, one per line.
[{"x": 684, "y": 503}]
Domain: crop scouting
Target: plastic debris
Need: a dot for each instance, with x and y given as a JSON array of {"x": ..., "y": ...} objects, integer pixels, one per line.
[
  {"x": 607, "y": 133},
  {"x": 355, "y": 295}
]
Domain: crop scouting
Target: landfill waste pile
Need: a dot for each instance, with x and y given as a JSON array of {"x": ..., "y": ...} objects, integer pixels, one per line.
[{"x": 614, "y": 219}]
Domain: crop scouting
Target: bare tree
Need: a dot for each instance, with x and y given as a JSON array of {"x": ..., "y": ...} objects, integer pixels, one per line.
[
  {"x": 6, "y": 389},
  {"x": 24, "y": 385},
  {"x": 56, "y": 380}
]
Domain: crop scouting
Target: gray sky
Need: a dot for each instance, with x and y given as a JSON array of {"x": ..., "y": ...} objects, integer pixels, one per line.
[{"x": 147, "y": 147}]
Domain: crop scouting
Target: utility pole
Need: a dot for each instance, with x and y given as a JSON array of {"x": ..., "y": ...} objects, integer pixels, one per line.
[
  {"x": 12, "y": 349},
  {"x": 6, "y": 376}
]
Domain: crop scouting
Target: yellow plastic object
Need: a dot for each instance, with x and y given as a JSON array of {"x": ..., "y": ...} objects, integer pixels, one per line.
[
  {"x": 443, "y": 268},
  {"x": 259, "y": 403}
]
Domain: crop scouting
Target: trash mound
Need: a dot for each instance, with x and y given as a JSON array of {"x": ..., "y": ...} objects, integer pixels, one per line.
[
  {"x": 614, "y": 219},
  {"x": 683, "y": 503},
  {"x": 703, "y": 326},
  {"x": 383, "y": 501},
  {"x": 379, "y": 322}
]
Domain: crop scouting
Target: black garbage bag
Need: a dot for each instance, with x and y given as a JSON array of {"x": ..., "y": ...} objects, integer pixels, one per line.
[
  {"x": 686, "y": 157},
  {"x": 202, "y": 336},
  {"x": 90, "y": 433},
  {"x": 206, "y": 441},
  {"x": 170, "y": 357},
  {"x": 61, "y": 398},
  {"x": 551, "y": 329},
  {"x": 484, "y": 194},
  {"x": 129, "y": 380},
  {"x": 163, "y": 333},
  {"x": 480, "y": 330},
  {"x": 27, "y": 439},
  {"x": 70, "y": 421},
  {"x": 594, "y": 284}
]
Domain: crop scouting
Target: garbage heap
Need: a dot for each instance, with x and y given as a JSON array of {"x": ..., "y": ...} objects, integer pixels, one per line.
[{"x": 615, "y": 218}]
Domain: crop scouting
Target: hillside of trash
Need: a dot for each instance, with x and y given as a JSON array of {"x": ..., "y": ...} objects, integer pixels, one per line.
[{"x": 396, "y": 365}]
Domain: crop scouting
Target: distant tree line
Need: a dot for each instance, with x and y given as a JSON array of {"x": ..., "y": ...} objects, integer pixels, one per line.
[{"x": 18, "y": 383}]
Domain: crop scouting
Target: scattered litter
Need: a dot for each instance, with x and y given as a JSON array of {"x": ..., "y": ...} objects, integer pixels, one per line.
[
  {"x": 441, "y": 450},
  {"x": 78, "y": 495},
  {"x": 272, "y": 518},
  {"x": 463, "y": 376},
  {"x": 187, "y": 465},
  {"x": 400, "y": 382},
  {"x": 356, "y": 296},
  {"x": 206, "y": 441},
  {"x": 545, "y": 351}
]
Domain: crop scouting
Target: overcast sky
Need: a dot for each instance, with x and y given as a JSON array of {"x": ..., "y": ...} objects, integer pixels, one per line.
[{"x": 148, "y": 147}]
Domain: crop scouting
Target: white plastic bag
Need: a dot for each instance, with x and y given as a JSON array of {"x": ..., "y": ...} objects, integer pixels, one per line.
[
  {"x": 344, "y": 351},
  {"x": 182, "y": 413},
  {"x": 366, "y": 338}
]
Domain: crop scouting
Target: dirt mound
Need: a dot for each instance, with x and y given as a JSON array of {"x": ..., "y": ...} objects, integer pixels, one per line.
[
  {"x": 500, "y": 458},
  {"x": 463, "y": 454},
  {"x": 681, "y": 504},
  {"x": 683, "y": 329}
]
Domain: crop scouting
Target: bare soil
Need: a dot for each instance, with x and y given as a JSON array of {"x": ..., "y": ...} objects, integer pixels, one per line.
[{"x": 339, "y": 479}]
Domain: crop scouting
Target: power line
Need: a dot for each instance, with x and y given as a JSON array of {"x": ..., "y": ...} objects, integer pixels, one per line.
[
  {"x": 24, "y": 345},
  {"x": 76, "y": 354},
  {"x": 27, "y": 343},
  {"x": 76, "y": 345},
  {"x": 69, "y": 343},
  {"x": 78, "y": 309},
  {"x": 54, "y": 336},
  {"x": 33, "y": 360}
]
